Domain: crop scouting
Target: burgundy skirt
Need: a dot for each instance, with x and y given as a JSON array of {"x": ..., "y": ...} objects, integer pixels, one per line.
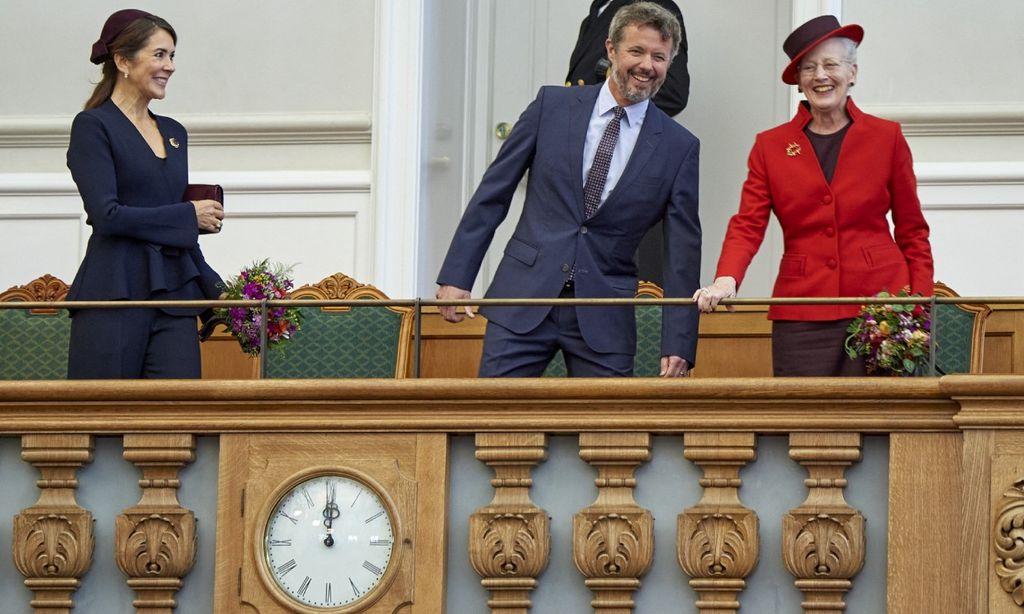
[{"x": 801, "y": 349}]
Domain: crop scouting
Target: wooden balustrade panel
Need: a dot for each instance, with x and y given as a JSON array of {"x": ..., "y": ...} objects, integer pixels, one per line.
[
  {"x": 53, "y": 539},
  {"x": 824, "y": 417},
  {"x": 613, "y": 538},
  {"x": 509, "y": 539},
  {"x": 824, "y": 537},
  {"x": 717, "y": 539},
  {"x": 156, "y": 538}
]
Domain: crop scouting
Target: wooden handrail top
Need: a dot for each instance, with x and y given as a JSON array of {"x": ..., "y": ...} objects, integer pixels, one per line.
[{"x": 765, "y": 405}]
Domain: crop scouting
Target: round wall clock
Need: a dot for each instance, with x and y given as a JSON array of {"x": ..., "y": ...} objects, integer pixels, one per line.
[{"x": 327, "y": 542}]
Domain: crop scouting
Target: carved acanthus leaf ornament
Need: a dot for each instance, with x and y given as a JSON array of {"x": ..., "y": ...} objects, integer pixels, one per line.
[
  {"x": 514, "y": 545},
  {"x": 156, "y": 545},
  {"x": 826, "y": 546},
  {"x": 1009, "y": 542},
  {"x": 614, "y": 545},
  {"x": 53, "y": 545},
  {"x": 719, "y": 545}
]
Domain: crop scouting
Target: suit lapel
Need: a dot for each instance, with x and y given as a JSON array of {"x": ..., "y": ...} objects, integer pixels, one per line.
[
  {"x": 646, "y": 143},
  {"x": 579, "y": 121}
]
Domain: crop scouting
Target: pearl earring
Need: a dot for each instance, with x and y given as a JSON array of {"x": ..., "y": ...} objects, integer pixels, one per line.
[{"x": 126, "y": 74}]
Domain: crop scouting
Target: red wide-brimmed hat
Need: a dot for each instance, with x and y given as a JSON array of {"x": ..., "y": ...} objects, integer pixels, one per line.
[
  {"x": 810, "y": 35},
  {"x": 114, "y": 26}
]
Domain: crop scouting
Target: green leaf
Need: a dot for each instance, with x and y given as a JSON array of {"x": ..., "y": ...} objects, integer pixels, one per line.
[{"x": 909, "y": 365}]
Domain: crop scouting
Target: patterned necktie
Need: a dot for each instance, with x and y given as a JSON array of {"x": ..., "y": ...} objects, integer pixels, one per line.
[{"x": 598, "y": 173}]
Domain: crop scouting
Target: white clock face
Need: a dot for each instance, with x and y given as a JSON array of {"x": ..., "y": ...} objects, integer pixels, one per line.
[{"x": 329, "y": 541}]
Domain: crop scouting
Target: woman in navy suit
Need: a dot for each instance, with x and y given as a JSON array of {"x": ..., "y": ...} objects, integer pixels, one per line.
[{"x": 131, "y": 169}]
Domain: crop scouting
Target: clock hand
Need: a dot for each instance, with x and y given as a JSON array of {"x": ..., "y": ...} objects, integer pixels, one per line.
[{"x": 330, "y": 513}]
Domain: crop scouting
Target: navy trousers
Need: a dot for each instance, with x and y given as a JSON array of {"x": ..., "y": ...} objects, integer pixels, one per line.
[
  {"x": 508, "y": 354},
  {"x": 133, "y": 344}
]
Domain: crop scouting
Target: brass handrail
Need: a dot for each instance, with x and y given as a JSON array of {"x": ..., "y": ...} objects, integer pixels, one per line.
[
  {"x": 509, "y": 302},
  {"x": 419, "y": 303}
]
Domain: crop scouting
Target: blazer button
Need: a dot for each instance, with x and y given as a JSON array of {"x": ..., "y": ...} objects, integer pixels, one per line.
[
  {"x": 830, "y": 232},
  {"x": 581, "y": 82},
  {"x": 565, "y": 268},
  {"x": 568, "y": 83},
  {"x": 583, "y": 230},
  {"x": 832, "y": 263},
  {"x": 827, "y": 200}
]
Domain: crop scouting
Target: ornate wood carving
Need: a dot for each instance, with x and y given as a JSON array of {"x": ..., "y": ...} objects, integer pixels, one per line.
[
  {"x": 613, "y": 539},
  {"x": 717, "y": 539},
  {"x": 42, "y": 289},
  {"x": 509, "y": 539},
  {"x": 1009, "y": 542},
  {"x": 53, "y": 539},
  {"x": 155, "y": 540},
  {"x": 823, "y": 538}
]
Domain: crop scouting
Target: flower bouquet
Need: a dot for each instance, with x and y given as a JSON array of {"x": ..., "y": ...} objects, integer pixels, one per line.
[
  {"x": 261, "y": 281},
  {"x": 895, "y": 338}
]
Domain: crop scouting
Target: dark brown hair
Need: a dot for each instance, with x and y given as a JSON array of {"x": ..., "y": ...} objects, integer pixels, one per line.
[{"x": 127, "y": 44}]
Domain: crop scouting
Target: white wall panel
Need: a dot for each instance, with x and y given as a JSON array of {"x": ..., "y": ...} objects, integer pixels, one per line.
[
  {"x": 976, "y": 214},
  {"x": 319, "y": 221}
]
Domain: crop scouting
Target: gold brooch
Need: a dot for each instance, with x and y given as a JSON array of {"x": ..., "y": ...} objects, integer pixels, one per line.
[
  {"x": 793, "y": 150},
  {"x": 174, "y": 142}
]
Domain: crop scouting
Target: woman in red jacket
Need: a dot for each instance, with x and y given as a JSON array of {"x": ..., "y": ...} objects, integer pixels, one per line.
[{"x": 831, "y": 175}]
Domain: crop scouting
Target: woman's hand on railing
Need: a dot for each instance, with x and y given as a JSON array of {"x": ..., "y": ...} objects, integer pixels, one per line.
[
  {"x": 708, "y": 297},
  {"x": 451, "y": 312}
]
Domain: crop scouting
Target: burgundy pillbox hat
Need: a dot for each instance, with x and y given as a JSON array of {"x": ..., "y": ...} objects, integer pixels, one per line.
[
  {"x": 809, "y": 35},
  {"x": 113, "y": 27}
]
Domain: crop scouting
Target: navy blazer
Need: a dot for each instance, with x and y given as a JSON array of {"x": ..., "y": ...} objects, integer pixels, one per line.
[
  {"x": 144, "y": 242},
  {"x": 658, "y": 183}
]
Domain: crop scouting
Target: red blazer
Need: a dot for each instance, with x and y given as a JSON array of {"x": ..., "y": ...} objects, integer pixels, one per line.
[{"x": 837, "y": 238}]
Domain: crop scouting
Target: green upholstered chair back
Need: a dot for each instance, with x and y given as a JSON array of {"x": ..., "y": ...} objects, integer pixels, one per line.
[
  {"x": 647, "y": 362},
  {"x": 356, "y": 342},
  {"x": 959, "y": 334},
  {"x": 34, "y": 343}
]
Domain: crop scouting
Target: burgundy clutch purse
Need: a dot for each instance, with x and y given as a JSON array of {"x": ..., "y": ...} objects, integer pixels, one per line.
[{"x": 203, "y": 191}]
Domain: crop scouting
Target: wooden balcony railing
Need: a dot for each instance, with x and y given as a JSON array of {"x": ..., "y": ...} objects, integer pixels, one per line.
[{"x": 955, "y": 475}]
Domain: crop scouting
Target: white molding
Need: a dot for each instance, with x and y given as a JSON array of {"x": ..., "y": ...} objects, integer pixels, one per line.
[
  {"x": 971, "y": 186},
  {"x": 954, "y": 120},
  {"x": 241, "y": 182},
  {"x": 397, "y": 147},
  {"x": 970, "y": 173},
  {"x": 252, "y": 129}
]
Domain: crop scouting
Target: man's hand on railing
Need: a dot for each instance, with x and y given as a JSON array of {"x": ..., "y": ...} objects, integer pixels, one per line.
[
  {"x": 674, "y": 366},
  {"x": 708, "y": 297},
  {"x": 451, "y": 312}
]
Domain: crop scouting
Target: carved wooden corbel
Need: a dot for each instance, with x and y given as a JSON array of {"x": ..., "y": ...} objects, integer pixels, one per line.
[
  {"x": 823, "y": 538},
  {"x": 717, "y": 539},
  {"x": 1008, "y": 536},
  {"x": 613, "y": 539},
  {"x": 155, "y": 540},
  {"x": 509, "y": 539},
  {"x": 53, "y": 539}
]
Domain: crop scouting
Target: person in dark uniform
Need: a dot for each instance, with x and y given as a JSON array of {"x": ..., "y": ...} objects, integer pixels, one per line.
[
  {"x": 131, "y": 169},
  {"x": 589, "y": 64},
  {"x": 589, "y": 61}
]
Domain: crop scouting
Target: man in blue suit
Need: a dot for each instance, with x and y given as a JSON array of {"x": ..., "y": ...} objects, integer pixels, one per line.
[{"x": 604, "y": 166}]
